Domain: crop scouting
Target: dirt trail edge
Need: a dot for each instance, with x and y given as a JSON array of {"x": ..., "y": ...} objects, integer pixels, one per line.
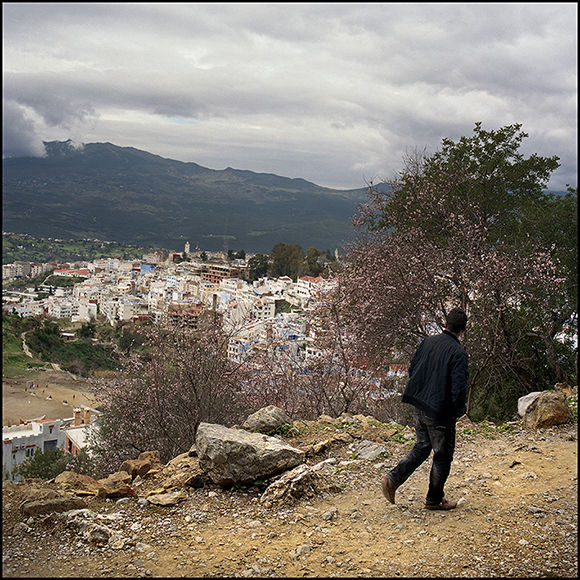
[{"x": 517, "y": 517}]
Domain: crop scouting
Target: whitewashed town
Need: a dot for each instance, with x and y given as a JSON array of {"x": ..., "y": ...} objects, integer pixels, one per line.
[
  {"x": 157, "y": 286},
  {"x": 160, "y": 287}
]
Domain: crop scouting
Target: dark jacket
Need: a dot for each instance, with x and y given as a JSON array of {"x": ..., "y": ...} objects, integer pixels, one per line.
[{"x": 438, "y": 377}]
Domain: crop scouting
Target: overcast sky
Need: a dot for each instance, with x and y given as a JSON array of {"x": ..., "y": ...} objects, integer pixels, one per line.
[{"x": 335, "y": 93}]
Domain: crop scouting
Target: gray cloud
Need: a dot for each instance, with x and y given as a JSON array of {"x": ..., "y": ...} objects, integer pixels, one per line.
[
  {"x": 332, "y": 92},
  {"x": 19, "y": 137}
]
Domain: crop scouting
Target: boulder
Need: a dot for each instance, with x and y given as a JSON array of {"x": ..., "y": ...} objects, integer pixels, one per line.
[
  {"x": 525, "y": 401},
  {"x": 327, "y": 420},
  {"x": 230, "y": 456},
  {"x": 142, "y": 465},
  {"x": 182, "y": 471},
  {"x": 77, "y": 483},
  {"x": 90, "y": 525},
  {"x": 370, "y": 450},
  {"x": 116, "y": 485},
  {"x": 266, "y": 419},
  {"x": 547, "y": 409},
  {"x": 302, "y": 482},
  {"x": 60, "y": 503}
]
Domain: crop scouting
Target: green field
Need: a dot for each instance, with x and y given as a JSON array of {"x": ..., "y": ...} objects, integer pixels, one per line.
[{"x": 23, "y": 247}]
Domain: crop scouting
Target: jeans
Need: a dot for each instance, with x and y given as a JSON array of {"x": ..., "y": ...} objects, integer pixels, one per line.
[{"x": 431, "y": 435}]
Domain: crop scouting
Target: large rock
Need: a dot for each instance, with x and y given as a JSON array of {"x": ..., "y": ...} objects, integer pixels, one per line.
[
  {"x": 370, "y": 450},
  {"x": 116, "y": 485},
  {"x": 266, "y": 419},
  {"x": 302, "y": 482},
  {"x": 547, "y": 409},
  {"x": 90, "y": 525},
  {"x": 525, "y": 401},
  {"x": 142, "y": 465},
  {"x": 77, "y": 483},
  {"x": 182, "y": 471},
  {"x": 232, "y": 456},
  {"x": 60, "y": 503}
]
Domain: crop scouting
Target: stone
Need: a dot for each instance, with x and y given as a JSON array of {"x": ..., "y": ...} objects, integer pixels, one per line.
[
  {"x": 88, "y": 523},
  {"x": 167, "y": 499},
  {"x": 183, "y": 471},
  {"x": 116, "y": 485},
  {"x": 266, "y": 419},
  {"x": 370, "y": 450},
  {"x": 77, "y": 483},
  {"x": 142, "y": 465},
  {"x": 547, "y": 409},
  {"x": 230, "y": 456},
  {"x": 62, "y": 503},
  {"x": 329, "y": 514},
  {"x": 299, "y": 483},
  {"x": 327, "y": 419},
  {"x": 20, "y": 529},
  {"x": 525, "y": 401},
  {"x": 565, "y": 388}
]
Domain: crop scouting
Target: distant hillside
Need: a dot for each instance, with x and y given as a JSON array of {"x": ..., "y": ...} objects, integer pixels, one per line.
[{"x": 131, "y": 196}]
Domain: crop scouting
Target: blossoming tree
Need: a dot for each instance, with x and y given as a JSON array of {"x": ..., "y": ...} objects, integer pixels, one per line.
[
  {"x": 467, "y": 227},
  {"x": 180, "y": 378}
]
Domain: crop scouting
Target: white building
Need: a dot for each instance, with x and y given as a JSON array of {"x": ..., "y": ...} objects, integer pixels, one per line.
[
  {"x": 59, "y": 307},
  {"x": 20, "y": 442},
  {"x": 8, "y": 272},
  {"x": 83, "y": 311}
]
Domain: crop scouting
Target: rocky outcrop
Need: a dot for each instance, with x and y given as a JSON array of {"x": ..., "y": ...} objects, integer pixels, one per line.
[
  {"x": 266, "y": 419},
  {"x": 231, "y": 456},
  {"x": 547, "y": 409}
]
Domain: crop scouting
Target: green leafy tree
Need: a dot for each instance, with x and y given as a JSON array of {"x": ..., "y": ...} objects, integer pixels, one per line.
[
  {"x": 259, "y": 265},
  {"x": 239, "y": 255},
  {"x": 51, "y": 462},
  {"x": 287, "y": 260},
  {"x": 312, "y": 256},
  {"x": 87, "y": 330}
]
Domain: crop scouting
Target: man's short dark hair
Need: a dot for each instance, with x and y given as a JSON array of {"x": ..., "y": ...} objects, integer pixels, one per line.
[{"x": 456, "y": 320}]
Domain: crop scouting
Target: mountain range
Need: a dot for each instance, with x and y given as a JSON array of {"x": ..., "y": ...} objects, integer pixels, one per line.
[{"x": 127, "y": 195}]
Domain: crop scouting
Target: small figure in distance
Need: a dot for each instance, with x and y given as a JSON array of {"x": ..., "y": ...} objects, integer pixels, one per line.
[{"x": 437, "y": 388}]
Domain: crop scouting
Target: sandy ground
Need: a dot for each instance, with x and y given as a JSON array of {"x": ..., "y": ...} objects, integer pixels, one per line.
[{"x": 55, "y": 394}]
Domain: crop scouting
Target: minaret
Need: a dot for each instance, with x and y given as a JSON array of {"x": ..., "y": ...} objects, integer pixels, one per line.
[{"x": 186, "y": 249}]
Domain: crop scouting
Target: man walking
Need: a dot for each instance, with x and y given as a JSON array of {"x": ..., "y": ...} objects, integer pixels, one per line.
[{"x": 437, "y": 389}]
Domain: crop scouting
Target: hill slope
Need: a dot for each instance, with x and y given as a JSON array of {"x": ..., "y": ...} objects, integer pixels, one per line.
[
  {"x": 127, "y": 195},
  {"x": 518, "y": 517}
]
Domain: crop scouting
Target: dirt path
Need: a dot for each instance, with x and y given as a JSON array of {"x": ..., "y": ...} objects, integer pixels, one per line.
[
  {"x": 518, "y": 517},
  {"x": 54, "y": 394}
]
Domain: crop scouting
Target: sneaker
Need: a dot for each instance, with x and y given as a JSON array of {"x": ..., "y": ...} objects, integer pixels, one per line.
[
  {"x": 443, "y": 505},
  {"x": 388, "y": 489}
]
